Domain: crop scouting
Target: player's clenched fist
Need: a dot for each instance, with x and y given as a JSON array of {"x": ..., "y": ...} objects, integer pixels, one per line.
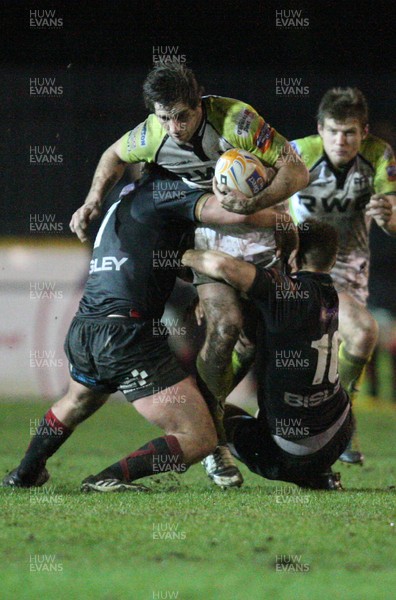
[
  {"x": 82, "y": 217},
  {"x": 232, "y": 200},
  {"x": 235, "y": 201},
  {"x": 380, "y": 209}
]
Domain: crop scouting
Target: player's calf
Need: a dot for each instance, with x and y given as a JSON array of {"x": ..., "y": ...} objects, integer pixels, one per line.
[
  {"x": 359, "y": 332},
  {"x": 52, "y": 432},
  {"x": 189, "y": 436}
]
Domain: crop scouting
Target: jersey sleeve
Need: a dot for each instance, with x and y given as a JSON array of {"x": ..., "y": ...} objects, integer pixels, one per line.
[
  {"x": 242, "y": 126},
  {"x": 175, "y": 199},
  {"x": 309, "y": 149},
  {"x": 142, "y": 143},
  {"x": 265, "y": 284},
  {"x": 385, "y": 172}
]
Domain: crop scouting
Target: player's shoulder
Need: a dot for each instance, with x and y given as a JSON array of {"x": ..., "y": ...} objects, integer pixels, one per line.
[
  {"x": 145, "y": 139},
  {"x": 228, "y": 113},
  {"x": 223, "y": 105},
  {"x": 310, "y": 148},
  {"x": 267, "y": 276},
  {"x": 374, "y": 149}
]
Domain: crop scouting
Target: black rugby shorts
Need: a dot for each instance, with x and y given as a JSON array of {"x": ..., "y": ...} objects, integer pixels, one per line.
[{"x": 113, "y": 353}]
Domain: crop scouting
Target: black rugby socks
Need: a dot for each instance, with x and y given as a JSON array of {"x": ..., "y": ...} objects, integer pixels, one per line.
[{"x": 50, "y": 435}]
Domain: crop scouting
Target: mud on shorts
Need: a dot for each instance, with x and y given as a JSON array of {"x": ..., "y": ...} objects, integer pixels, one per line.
[
  {"x": 351, "y": 277},
  {"x": 257, "y": 247},
  {"x": 115, "y": 353}
]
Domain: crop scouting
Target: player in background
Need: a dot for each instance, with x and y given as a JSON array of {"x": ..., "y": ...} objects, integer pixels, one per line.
[
  {"x": 117, "y": 342},
  {"x": 305, "y": 418},
  {"x": 186, "y": 133},
  {"x": 352, "y": 183}
]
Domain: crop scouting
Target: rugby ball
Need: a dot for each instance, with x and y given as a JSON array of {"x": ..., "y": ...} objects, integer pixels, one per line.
[{"x": 241, "y": 170}]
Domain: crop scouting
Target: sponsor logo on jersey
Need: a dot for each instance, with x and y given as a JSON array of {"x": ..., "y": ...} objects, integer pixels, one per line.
[
  {"x": 331, "y": 204},
  {"x": 244, "y": 122},
  {"x": 361, "y": 180},
  {"x": 143, "y": 135},
  {"x": 309, "y": 401},
  {"x": 391, "y": 172},
  {"x": 264, "y": 136},
  {"x": 131, "y": 141},
  {"x": 107, "y": 263},
  {"x": 197, "y": 176}
]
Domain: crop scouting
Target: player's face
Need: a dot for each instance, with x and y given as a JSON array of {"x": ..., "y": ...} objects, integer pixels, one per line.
[
  {"x": 179, "y": 121},
  {"x": 341, "y": 139}
]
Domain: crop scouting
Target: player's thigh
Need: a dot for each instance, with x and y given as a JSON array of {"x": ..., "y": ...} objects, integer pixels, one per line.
[
  {"x": 177, "y": 409},
  {"x": 355, "y": 321},
  {"x": 220, "y": 303}
]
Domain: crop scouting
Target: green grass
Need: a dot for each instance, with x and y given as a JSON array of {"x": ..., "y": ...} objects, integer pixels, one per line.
[{"x": 107, "y": 547}]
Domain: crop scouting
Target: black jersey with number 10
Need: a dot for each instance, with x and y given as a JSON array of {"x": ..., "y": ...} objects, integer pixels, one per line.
[{"x": 297, "y": 352}]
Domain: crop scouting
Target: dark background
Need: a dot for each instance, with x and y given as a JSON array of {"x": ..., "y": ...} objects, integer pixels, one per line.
[{"x": 104, "y": 49}]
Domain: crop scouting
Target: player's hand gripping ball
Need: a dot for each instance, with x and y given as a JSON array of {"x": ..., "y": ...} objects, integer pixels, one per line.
[{"x": 241, "y": 170}]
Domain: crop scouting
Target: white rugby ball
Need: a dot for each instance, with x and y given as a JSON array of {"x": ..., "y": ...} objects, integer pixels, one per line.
[{"x": 241, "y": 170}]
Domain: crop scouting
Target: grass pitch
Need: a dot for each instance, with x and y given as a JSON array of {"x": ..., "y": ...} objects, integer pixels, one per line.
[{"x": 189, "y": 540}]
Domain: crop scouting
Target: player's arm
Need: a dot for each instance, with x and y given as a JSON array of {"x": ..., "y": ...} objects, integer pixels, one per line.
[
  {"x": 245, "y": 128},
  {"x": 218, "y": 265},
  {"x": 382, "y": 205},
  {"x": 209, "y": 210},
  {"x": 290, "y": 177},
  {"x": 110, "y": 169}
]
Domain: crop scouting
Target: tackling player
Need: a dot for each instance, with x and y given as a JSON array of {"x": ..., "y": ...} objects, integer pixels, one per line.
[
  {"x": 185, "y": 134},
  {"x": 305, "y": 418},
  {"x": 117, "y": 342},
  {"x": 352, "y": 183}
]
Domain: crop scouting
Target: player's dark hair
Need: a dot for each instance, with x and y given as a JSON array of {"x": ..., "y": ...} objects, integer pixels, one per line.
[
  {"x": 169, "y": 84},
  {"x": 318, "y": 244},
  {"x": 343, "y": 103}
]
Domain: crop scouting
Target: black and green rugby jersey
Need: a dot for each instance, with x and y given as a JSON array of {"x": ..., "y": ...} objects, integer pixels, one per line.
[
  {"x": 340, "y": 196},
  {"x": 226, "y": 123}
]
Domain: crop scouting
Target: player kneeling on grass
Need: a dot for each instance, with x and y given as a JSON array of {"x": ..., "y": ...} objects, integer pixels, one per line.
[
  {"x": 305, "y": 418},
  {"x": 117, "y": 342}
]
